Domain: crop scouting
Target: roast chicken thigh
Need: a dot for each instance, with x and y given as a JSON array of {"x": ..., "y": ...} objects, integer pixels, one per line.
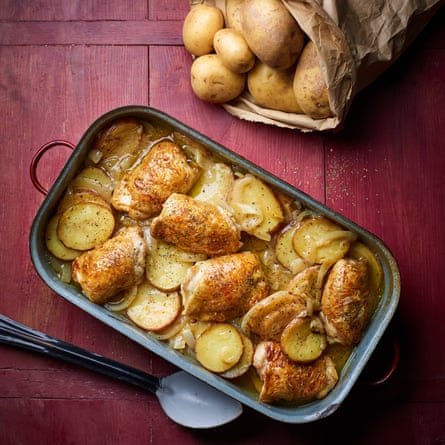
[
  {"x": 196, "y": 226},
  {"x": 285, "y": 380},
  {"x": 164, "y": 170},
  {"x": 346, "y": 304},
  {"x": 112, "y": 267},
  {"x": 223, "y": 288}
]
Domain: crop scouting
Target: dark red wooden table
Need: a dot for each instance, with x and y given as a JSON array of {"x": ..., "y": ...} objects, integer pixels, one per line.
[{"x": 62, "y": 65}]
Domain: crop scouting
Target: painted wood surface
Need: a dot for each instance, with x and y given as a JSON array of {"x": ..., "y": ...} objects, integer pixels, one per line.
[{"x": 62, "y": 65}]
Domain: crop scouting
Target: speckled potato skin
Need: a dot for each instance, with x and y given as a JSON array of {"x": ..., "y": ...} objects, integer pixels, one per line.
[
  {"x": 309, "y": 85},
  {"x": 272, "y": 33}
]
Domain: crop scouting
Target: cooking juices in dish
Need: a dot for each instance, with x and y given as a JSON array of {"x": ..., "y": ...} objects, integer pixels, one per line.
[{"x": 214, "y": 261}]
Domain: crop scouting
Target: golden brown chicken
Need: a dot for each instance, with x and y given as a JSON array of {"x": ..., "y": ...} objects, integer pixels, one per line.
[
  {"x": 223, "y": 288},
  {"x": 112, "y": 267},
  {"x": 346, "y": 303},
  {"x": 196, "y": 226},
  {"x": 143, "y": 189},
  {"x": 285, "y": 380}
]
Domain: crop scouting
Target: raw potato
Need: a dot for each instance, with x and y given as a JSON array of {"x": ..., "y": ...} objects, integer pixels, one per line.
[
  {"x": 199, "y": 28},
  {"x": 154, "y": 310},
  {"x": 309, "y": 85},
  {"x": 219, "y": 348},
  {"x": 319, "y": 240},
  {"x": 256, "y": 208},
  {"x": 270, "y": 316},
  {"x": 273, "y": 88},
  {"x": 233, "y": 14},
  {"x": 213, "y": 82},
  {"x": 85, "y": 225},
  {"x": 214, "y": 184},
  {"x": 285, "y": 252},
  {"x": 94, "y": 179},
  {"x": 163, "y": 268},
  {"x": 303, "y": 339},
  {"x": 232, "y": 48},
  {"x": 271, "y": 32},
  {"x": 53, "y": 243},
  {"x": 244, "y": 363}
]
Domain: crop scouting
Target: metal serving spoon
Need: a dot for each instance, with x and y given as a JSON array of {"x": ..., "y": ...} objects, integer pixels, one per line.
[{"x": 185, "y": 399}]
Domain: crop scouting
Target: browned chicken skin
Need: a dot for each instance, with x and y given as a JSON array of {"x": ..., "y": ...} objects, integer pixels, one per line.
[
  {"x": 164, "y": 170},
  {"x": 114, "y": 266},
  {"x": 196, "y": 226},
  {"x": 285, "y": 380},
  {"x": 346, "y": 304},
  {"x": 223, "y": 288}
]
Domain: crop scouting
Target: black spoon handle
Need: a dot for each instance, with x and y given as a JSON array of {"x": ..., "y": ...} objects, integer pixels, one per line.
[{"x": 15, "y": 334}]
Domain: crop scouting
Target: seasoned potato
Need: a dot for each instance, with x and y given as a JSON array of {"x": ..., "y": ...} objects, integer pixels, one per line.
[
  {"x": 214, "y": 184},
  {"x": 309, "y": 85},
  {"x": 94, "y": 179},
  {"x": 53, "y": 243},
  {"x": 273, "y": 88},
  {"x": 303, "y": 339},
  {"x": 319, "y": 240},
  {"x": 199, "y": 28},
  {"x": 244, "y": 362},
  {"x": 232, "y": 48},
  {"x": 270, "y": 316},
  {"x": 213, "y": 82},
  {"x": 285, "y": 252},
  {"x": 256, "y": 208},
  {"x": 164, "y": 269},
  {"x": 233, "y": 14},
  {"x": 271, "y": 32},
  {"x": 219, "y": 348},
  {"x": 85, "y": 225},
  {"x": 154, "y": 310}
]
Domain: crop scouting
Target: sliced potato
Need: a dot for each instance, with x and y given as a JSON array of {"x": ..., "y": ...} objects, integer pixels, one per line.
[
  {"x": 359, "y": 250},
  {"x": 285, "y": 252},
  {"x": 53, "y": 243},
  {"x": 163, "y": 269},
  {"x": 214, "y": 184},
  {"x": 219, "y": 348},
  {"x": 256, "y": 208},
  {"x": 85, "y": 225},
  {"x": 94, "y": 179},
  {"x": 320, "y": 240},
  {"x": 270, "y": 316},
  {"x": 154, "y": 310},
  {"x": 76, "y": 196},
  {"x": 303, "y": 339},
  {"x": 244, "y": 363}
]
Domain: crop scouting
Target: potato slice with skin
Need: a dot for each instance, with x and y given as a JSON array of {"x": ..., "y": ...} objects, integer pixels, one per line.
[
  {"x": 267, "y": 318},
  {"x": 303, "y": 339},
  {"x": 163, "y": 269},
  {"x": 244, "y": 363},
  {"x": 154, "y": 310},
  {"x": 256, "y": 208},
  {"x": 320, "y": 240},
  {"x": 85, "y": 225},
  {"x": 285, "y": 252},
  {"x": 53, "y": 243},
  {"x": 219, "y": 348}
]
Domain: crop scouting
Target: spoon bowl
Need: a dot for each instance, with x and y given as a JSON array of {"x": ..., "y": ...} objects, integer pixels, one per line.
[{"x": 185, "y": 399}]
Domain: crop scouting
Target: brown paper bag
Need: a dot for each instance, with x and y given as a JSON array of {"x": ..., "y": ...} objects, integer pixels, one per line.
[{"x": 357, "y": 40}]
